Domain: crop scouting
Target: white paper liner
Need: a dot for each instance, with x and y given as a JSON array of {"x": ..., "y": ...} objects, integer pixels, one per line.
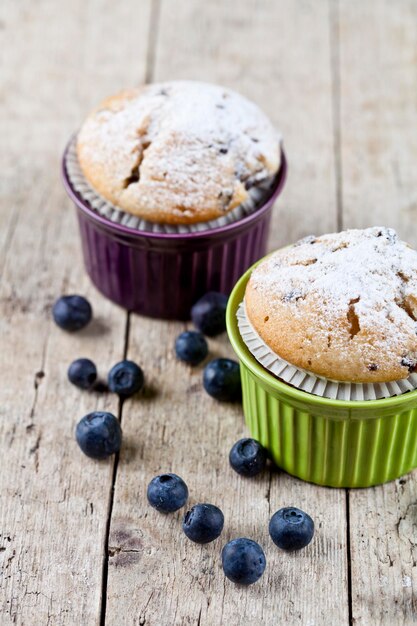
[
  {"x": 306, "y": 381},
  {"x": 257, "y": 197}
]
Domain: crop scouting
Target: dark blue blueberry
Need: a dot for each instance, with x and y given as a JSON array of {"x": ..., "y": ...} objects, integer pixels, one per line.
[
  {"x": 243, "y": 561},
  {"x": 167, "y": 493},
  {"x": 291, "y": 529},
  {"x": 82, "y": 373},
  {"x": 209, "y": 313},
  {"x": 125, "y": 378},
  {"x": 191, "y": 347},
  {"x": 99, "y": 434},
  {"x": 203, "y": 523},
  {"x": 248, "y": 457},
  {"x": 221, "y": 380},
  {"x": 72, "y": 312}
]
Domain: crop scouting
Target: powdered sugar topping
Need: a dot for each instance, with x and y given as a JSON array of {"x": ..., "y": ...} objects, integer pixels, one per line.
[
  {"x": 185, "y": 143},
  {"x": 370, "y": 274}
]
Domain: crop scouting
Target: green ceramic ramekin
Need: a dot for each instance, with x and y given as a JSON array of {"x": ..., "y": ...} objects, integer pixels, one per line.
[{"x": 327, "y": 442}]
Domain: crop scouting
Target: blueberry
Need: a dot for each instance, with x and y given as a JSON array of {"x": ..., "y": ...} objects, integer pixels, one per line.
[
  {"x": 203, "y": 523},
  {"x": 167, "y": 493},
  {"x": 82, "y": 373},
  {"x": 248, "y": 457},
  {"x": 191, "y": 347},
  {"x": 209, "y": 313},
  {"x": 99, "y": 434},
  {"x": 243, "y": 561},
  {"x": 125, "y": 378},
  {"x": 221, "y": 380},
  {"x": 291, "y": 529},
  {"x": 72, "y": 312}
]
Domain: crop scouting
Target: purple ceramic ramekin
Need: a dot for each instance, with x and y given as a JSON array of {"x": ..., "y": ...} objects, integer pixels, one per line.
[{"x": 163, "y": 274}]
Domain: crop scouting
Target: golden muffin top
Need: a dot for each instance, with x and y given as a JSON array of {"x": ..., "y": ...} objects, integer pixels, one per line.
[
  {"x": 342, "y": 306},
  {"x": 178, "y": 152}
]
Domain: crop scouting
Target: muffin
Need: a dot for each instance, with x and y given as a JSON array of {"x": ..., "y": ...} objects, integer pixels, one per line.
[
  {"x": 179, "y": 152},
  {"x": 174, "y": 186},
  {"x": 328, "y": 382},
  {"x": 342, "y": 306}
]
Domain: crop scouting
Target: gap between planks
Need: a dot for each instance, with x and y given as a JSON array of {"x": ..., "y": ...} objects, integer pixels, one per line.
[
  {"x": 349, "y": 559},
  {"x": 334, "y": 32},
  {"x": 149, "y": 71},
  {"x": 152, "y": 40},
  {"x": 105, "y": 571},
  {"x": 335, "y": 68}
]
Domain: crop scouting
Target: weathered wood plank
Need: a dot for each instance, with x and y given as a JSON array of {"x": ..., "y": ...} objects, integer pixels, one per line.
[
  {"x": 378, "y": 120},
  {"x": 54, "y": 501},
  {"x": 384, "y": 553},
  {"x": 378, "y": 56},
  {"x": 155, "y": 573},
  {"x": 278, "y": 54}
]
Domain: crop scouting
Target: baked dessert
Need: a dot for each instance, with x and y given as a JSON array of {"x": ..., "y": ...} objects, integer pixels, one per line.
[
  {"x": 342, "y": 306},
  {"x": 180, "y": 152}
]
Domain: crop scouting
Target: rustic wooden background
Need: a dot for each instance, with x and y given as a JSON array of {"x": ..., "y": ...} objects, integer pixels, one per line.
[{"x": 78, "y": 543}]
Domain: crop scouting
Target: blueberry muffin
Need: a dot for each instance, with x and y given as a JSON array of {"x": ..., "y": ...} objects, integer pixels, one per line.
[
  {"x": 180, "y": 152},
  {"x": 342, "y": 306}
]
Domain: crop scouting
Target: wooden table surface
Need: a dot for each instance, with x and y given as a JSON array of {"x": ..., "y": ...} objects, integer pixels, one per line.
[{"x": 78, "y": 542}]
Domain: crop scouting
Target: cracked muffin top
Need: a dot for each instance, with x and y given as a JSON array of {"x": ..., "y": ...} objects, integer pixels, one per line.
[
  {"x": 342, "y": 306},
  {"x": 179, "y": 152}
]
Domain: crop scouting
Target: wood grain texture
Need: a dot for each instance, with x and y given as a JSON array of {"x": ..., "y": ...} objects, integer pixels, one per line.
[
  {"x": 276, "y": 52},
  {"x": 378, "y": 119},
  {"x": 54, "y": 500},
  {"x": 338, "y": 78},
  {"x": 384, "y": 553},
  {"x": 154, "y": 571},
  {"x": 378, "y": 114}
]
